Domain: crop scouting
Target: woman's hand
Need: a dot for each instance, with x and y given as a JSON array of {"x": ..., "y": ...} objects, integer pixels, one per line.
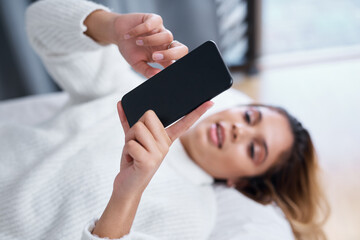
[
  {"x": 146, "y": 144},
  {"x": 145, "y": 39},
  {"x": 140, "y": 37}
]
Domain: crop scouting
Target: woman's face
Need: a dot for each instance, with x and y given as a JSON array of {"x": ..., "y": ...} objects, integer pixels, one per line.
[{"x": 238, "y": 142}]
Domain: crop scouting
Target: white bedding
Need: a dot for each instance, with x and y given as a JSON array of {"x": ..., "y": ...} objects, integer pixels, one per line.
[
  {"x": 34, "y": 109},
  {"x": 57, "y": 175},
  {"x": 232, "y": 205}
]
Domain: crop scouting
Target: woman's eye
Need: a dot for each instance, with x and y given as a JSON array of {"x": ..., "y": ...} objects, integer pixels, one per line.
[
  {"x": 247, "y": 117},
  {"x": 252, "y": 150}
]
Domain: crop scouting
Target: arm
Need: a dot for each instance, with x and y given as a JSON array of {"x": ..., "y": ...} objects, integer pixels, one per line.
[
  {"x": 146, "y": 145},
  {"x": 82, "y": 67},
  {"x": 140, "y": 37},
  {"x": 87, "y": 65}
]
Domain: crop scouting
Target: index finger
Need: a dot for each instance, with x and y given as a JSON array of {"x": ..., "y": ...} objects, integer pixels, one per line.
[
  {"x": 123, "y": 119},
  {"x": 145, "y": 69},
  {"x": 173, "y": 53},
  {"x": 178, "y": 128},
  {"x": 150, "y": 23}
]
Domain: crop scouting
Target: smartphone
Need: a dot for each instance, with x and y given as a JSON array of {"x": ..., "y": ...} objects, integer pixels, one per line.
[{"x": 181, "y": 87}]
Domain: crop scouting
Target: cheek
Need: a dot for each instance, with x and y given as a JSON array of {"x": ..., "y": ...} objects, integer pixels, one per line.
[
  {"x": 201, "y": 138},
  {"x": 236, "y": 162},
  {"x": 200, "y": 143}
]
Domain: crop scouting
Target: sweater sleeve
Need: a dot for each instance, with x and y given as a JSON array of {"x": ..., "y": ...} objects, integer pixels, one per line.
[
  {"x": 80, "y": 66},
  {"x": 131, "y": 236}
]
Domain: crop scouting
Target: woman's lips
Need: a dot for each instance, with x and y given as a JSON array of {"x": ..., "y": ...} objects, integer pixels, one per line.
[{"x": 217, "y": 134}]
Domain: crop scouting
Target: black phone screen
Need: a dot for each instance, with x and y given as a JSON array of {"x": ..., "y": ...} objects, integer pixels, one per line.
[{"x": 180, "y": 88}]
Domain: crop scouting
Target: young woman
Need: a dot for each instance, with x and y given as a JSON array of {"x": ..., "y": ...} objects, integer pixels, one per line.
[{"x": 57, "y": 175}]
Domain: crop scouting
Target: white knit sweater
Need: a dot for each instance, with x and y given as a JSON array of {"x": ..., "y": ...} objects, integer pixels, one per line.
[{"x": 56, "y": 176}]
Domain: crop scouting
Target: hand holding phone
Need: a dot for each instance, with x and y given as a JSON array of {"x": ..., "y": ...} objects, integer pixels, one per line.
[{"x": 180, "y": 88}]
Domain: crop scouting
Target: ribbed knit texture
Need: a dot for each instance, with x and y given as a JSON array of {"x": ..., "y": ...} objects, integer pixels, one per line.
[
  {"x": 57, "y": 175},
  {"x": 55, "y": 30}
]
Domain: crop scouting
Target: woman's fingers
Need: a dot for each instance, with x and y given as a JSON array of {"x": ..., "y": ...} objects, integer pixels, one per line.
[
  {"x": 177, "y": 51},
  {"x": 150, "y": 133},
  {"x": 178, "y": 128},
  {"x": 145, "y": 69},
  {"x": 164, "y": 37},
  {"x": 140, "y": 133},
  {"x": 154, "y": 131},
  {"x": 134, "y": 150},
  {"x": 167, "y": 63},
  {"x": 155, "y": 126},
  {"x": 150, "y": 23},
  {"x": 123, "y": 119}
]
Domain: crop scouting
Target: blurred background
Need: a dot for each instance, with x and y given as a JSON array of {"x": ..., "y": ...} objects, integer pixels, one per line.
[{"x": 301, "y": 54}]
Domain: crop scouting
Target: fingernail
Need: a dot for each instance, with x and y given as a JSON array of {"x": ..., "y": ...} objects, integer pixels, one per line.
[
  {"x": 140, "y": 42},
  {"x": 211, "y": 105},
  {"x": 126, "y": 36},
  {"x": 158, "y": 56}
]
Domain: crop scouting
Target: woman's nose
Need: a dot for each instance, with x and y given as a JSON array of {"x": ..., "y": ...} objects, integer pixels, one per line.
[{"x": 239, "y": 131}]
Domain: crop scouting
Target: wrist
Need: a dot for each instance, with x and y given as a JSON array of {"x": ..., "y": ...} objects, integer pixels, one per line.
[
  {"x": 125, "y": 196},
  {"x": 126, "y": 186},
  {"x": 100, "y": 26},
  {"x": 118, "y": 216}
]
